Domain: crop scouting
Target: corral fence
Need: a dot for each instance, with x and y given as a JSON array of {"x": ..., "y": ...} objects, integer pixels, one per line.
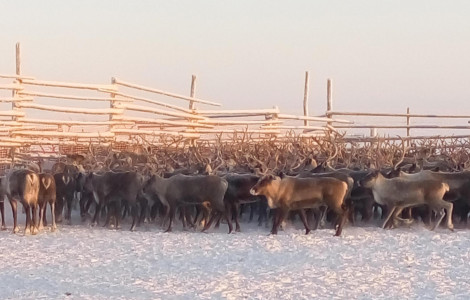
[{"x": 43, "y": 119}]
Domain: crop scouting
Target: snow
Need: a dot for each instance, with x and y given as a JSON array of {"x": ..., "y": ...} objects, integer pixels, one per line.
[{"x": 81, "y": 262}]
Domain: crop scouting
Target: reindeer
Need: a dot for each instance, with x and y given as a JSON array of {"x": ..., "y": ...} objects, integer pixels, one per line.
[
  {"x": 23, "y": 185},
  {"x": 47, "y": 194},
  {"x": 290, "y": 193},
  {"x": 400, "y": 193},
  {"x": 2, "y": 202},
  {"x": 182, "y": 190},
  {"x": 112, "y": 189}
]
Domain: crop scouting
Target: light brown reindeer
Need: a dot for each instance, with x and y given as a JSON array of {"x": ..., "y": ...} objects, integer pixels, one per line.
[{"x": 291, "y": 193}]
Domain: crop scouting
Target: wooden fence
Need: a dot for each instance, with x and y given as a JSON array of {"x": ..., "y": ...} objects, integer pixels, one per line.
[{"x": 53, "y": 118}]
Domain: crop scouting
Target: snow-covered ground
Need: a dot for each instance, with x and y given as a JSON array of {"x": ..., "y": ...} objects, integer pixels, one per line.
[{"x": 80, "y": 262}]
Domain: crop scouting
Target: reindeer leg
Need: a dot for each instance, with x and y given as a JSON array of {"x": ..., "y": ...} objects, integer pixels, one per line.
[
  {"x": 189, "y": 218},
  {"x": 183, "y": 217},
  {"x": 96, "y": 218},
  {"x": 440, "y": 215},
  {"x": 117, "y": 215},
  {"x": 387, "y": 219},
  {"x": 44, "y": 219},
  {"x": 281, "y": 215},
  {"x": 252, "y": 213},
  {"x": 317, "y": 214},
  {"x": 449, "y": 209},
  {"x": 235, "y": 207},
  {"x": 196, "y": 217},
  {"x": 134, "y": 212},
  {"x": 309, "y": 214},
  {"x": 229, "y": 220},
  {"x": 2, "y": 211},
  {"x": 172, "y": 214},
  {"x": 69, "y": 210},
  {"x": 275, "y": 220},
  {"x": 54, "y": 226},
  {"x": 109, "y": 213},
  {"x": 27, "y": 228},
  {"x": 323, "y": 211},
  {"x": 42, "y": 212},
  {"x": 208, "y": 224},
  {"x": 303, "y": 217},
  {"x": 143, "y": 208},
  {"x": 13, "y": 204},
  {"x": 395, "y": 217},
  {"x": 34, "y": 223},
  {"x": 342, "y": 217},
  {"x": 87, "y": 206}
]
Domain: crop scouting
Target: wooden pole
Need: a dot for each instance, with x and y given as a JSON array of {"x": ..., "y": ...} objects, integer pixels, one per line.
[
  {"x": 18, "y": 61},
  {"x": 193, "y": 92},
  {"x": 306, "y": 123},
  {"x": 408, "y": 125},
  {"x": 192, "y": 105},
  {"x": 14, "y": 105},
  {"x": 112, "y": 104},
  {"x": 329, "y": 99}
]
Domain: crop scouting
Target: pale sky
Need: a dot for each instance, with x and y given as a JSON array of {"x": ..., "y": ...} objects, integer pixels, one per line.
[{"x": 381, "y": 55}]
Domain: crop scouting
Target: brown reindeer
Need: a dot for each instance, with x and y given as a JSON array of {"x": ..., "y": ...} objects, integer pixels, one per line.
[
  {"x": 47, "y": 194},
  {"x": 291, "y": 193},
  {"x": 23, "y": 185}
]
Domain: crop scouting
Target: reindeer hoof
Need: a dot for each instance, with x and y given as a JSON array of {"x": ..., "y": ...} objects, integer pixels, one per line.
[
  {"x": 3, "y": 228},
  {"x": 53, "y": 228},
  {"x": 307, "y": 231}
]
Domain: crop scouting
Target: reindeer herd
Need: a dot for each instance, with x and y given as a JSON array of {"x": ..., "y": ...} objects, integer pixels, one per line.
[{"x": 200, "y": 195}]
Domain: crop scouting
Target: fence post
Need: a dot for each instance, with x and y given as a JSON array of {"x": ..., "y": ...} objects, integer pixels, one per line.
[
  {"x": 112, "y": 104},
  {"x": 14, "y": 104},
  {"x": 192, "y": 104},
  {"x": 329, "y": 99},
  {"x": 306, "y": 122},
  {"x": 408, "y": 126},
  {"x": 193, "y": 92}
]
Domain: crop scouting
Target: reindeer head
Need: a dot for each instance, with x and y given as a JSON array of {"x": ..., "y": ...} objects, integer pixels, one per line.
[
  {"x": 263, "y": 185},
  {"x": 370, "y": 179}
]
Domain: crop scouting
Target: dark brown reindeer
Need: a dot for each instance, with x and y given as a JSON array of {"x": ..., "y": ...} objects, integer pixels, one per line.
[
  {"x": 23, "y": 185},
  {"x": 112, "y": 189},
  {"x": 290, "y": 193},
  {"x": 238, "y": 192},
  {"x": 65, "y": 189},
  {"x": 47, "y": 194},
  {"x": 2, "y": 202},
  {"x": 182, "y": 190}
]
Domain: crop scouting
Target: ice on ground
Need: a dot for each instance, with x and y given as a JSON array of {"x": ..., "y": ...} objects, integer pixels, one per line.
[{"x": 367, "y": 262}]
